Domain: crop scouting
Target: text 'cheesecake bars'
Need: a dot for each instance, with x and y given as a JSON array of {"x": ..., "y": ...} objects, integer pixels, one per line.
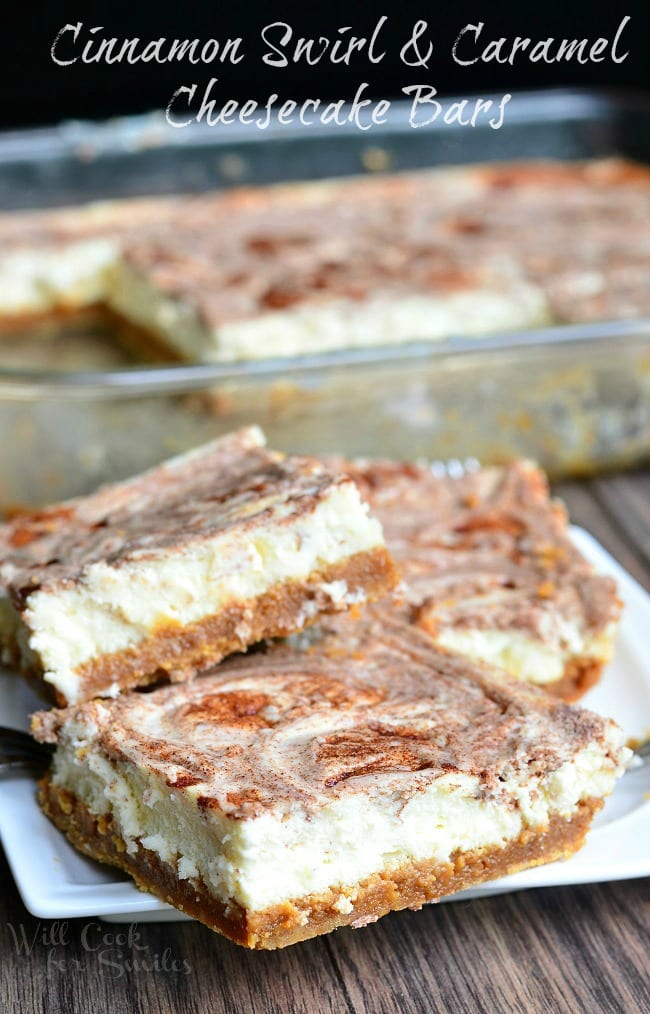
[
  {"x": 169, "y": 572},
  {"x": 309, "y": 786},
  {"x": 492, "y": 572}
]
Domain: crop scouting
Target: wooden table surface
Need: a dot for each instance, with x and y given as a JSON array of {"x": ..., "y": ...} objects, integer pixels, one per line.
[{"x": 555, "y": 949}]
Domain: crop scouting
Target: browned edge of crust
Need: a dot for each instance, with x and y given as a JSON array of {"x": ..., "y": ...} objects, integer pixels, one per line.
[
  {"x": 409, "y": 886},
  {"x": 580, "y": 675},
  {"x": 14, "y": 325},
  {"x": 178, "y": 652}
]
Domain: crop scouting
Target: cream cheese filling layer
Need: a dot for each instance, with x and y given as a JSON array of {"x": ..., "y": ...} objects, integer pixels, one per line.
[
  {"x": 525, "y": 657},
  {"x": 73, "y": 276},
  {"x": 111, "y": 608},
  {"x": 263, "y": 861},
  {"x": 340, "y": 324}
]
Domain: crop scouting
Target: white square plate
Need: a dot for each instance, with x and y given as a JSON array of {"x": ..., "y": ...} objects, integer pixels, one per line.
[{"x": 55, "y": 882}]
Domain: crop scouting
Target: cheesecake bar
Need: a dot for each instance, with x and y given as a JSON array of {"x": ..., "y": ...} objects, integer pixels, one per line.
[
  {"x": 327, "y": 782},
  {"x": 302, "y": 268},
  {"x": 167, "y": 573},
  {"x": 492, "y": 572},
  {"x": 271, "y": 271}
]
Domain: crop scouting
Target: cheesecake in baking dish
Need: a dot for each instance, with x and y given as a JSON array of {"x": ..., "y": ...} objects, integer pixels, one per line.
[
  {"x": 327, "y": 782},
  {"x": 491, "y": 570},
  {"x": 167, "y": 573},
  {"x": 302, "y": 268}
]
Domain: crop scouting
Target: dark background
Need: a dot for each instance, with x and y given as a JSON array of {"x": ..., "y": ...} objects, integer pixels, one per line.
[{"x": 36, "y": 91}]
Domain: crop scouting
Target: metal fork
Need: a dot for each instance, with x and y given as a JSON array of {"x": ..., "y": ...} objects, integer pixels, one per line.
[
  {"x": 452, "y": 468},
  {"x": 19, "y": 752},
  {"x": 640, "y": 756}
]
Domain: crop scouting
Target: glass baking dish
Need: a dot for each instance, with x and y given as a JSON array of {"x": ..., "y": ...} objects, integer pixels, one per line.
[{"x": 577, "y": 399}]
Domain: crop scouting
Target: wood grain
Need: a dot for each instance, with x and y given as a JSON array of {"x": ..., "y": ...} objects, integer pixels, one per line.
[
  {"x": 593, "y": 512},
  {"x": 582, "y": 949}
]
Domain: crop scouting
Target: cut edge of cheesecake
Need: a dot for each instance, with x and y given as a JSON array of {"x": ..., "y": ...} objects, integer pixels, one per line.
[{"x": 409, "y": 885}]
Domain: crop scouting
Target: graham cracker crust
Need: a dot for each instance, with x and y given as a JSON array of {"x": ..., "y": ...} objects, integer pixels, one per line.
[
  {"x": 13, "y": 325},
  {"x": 580, "y": 675},
  {"x": 409, "y": 886},
  {"x": 178, "y": 652}
]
